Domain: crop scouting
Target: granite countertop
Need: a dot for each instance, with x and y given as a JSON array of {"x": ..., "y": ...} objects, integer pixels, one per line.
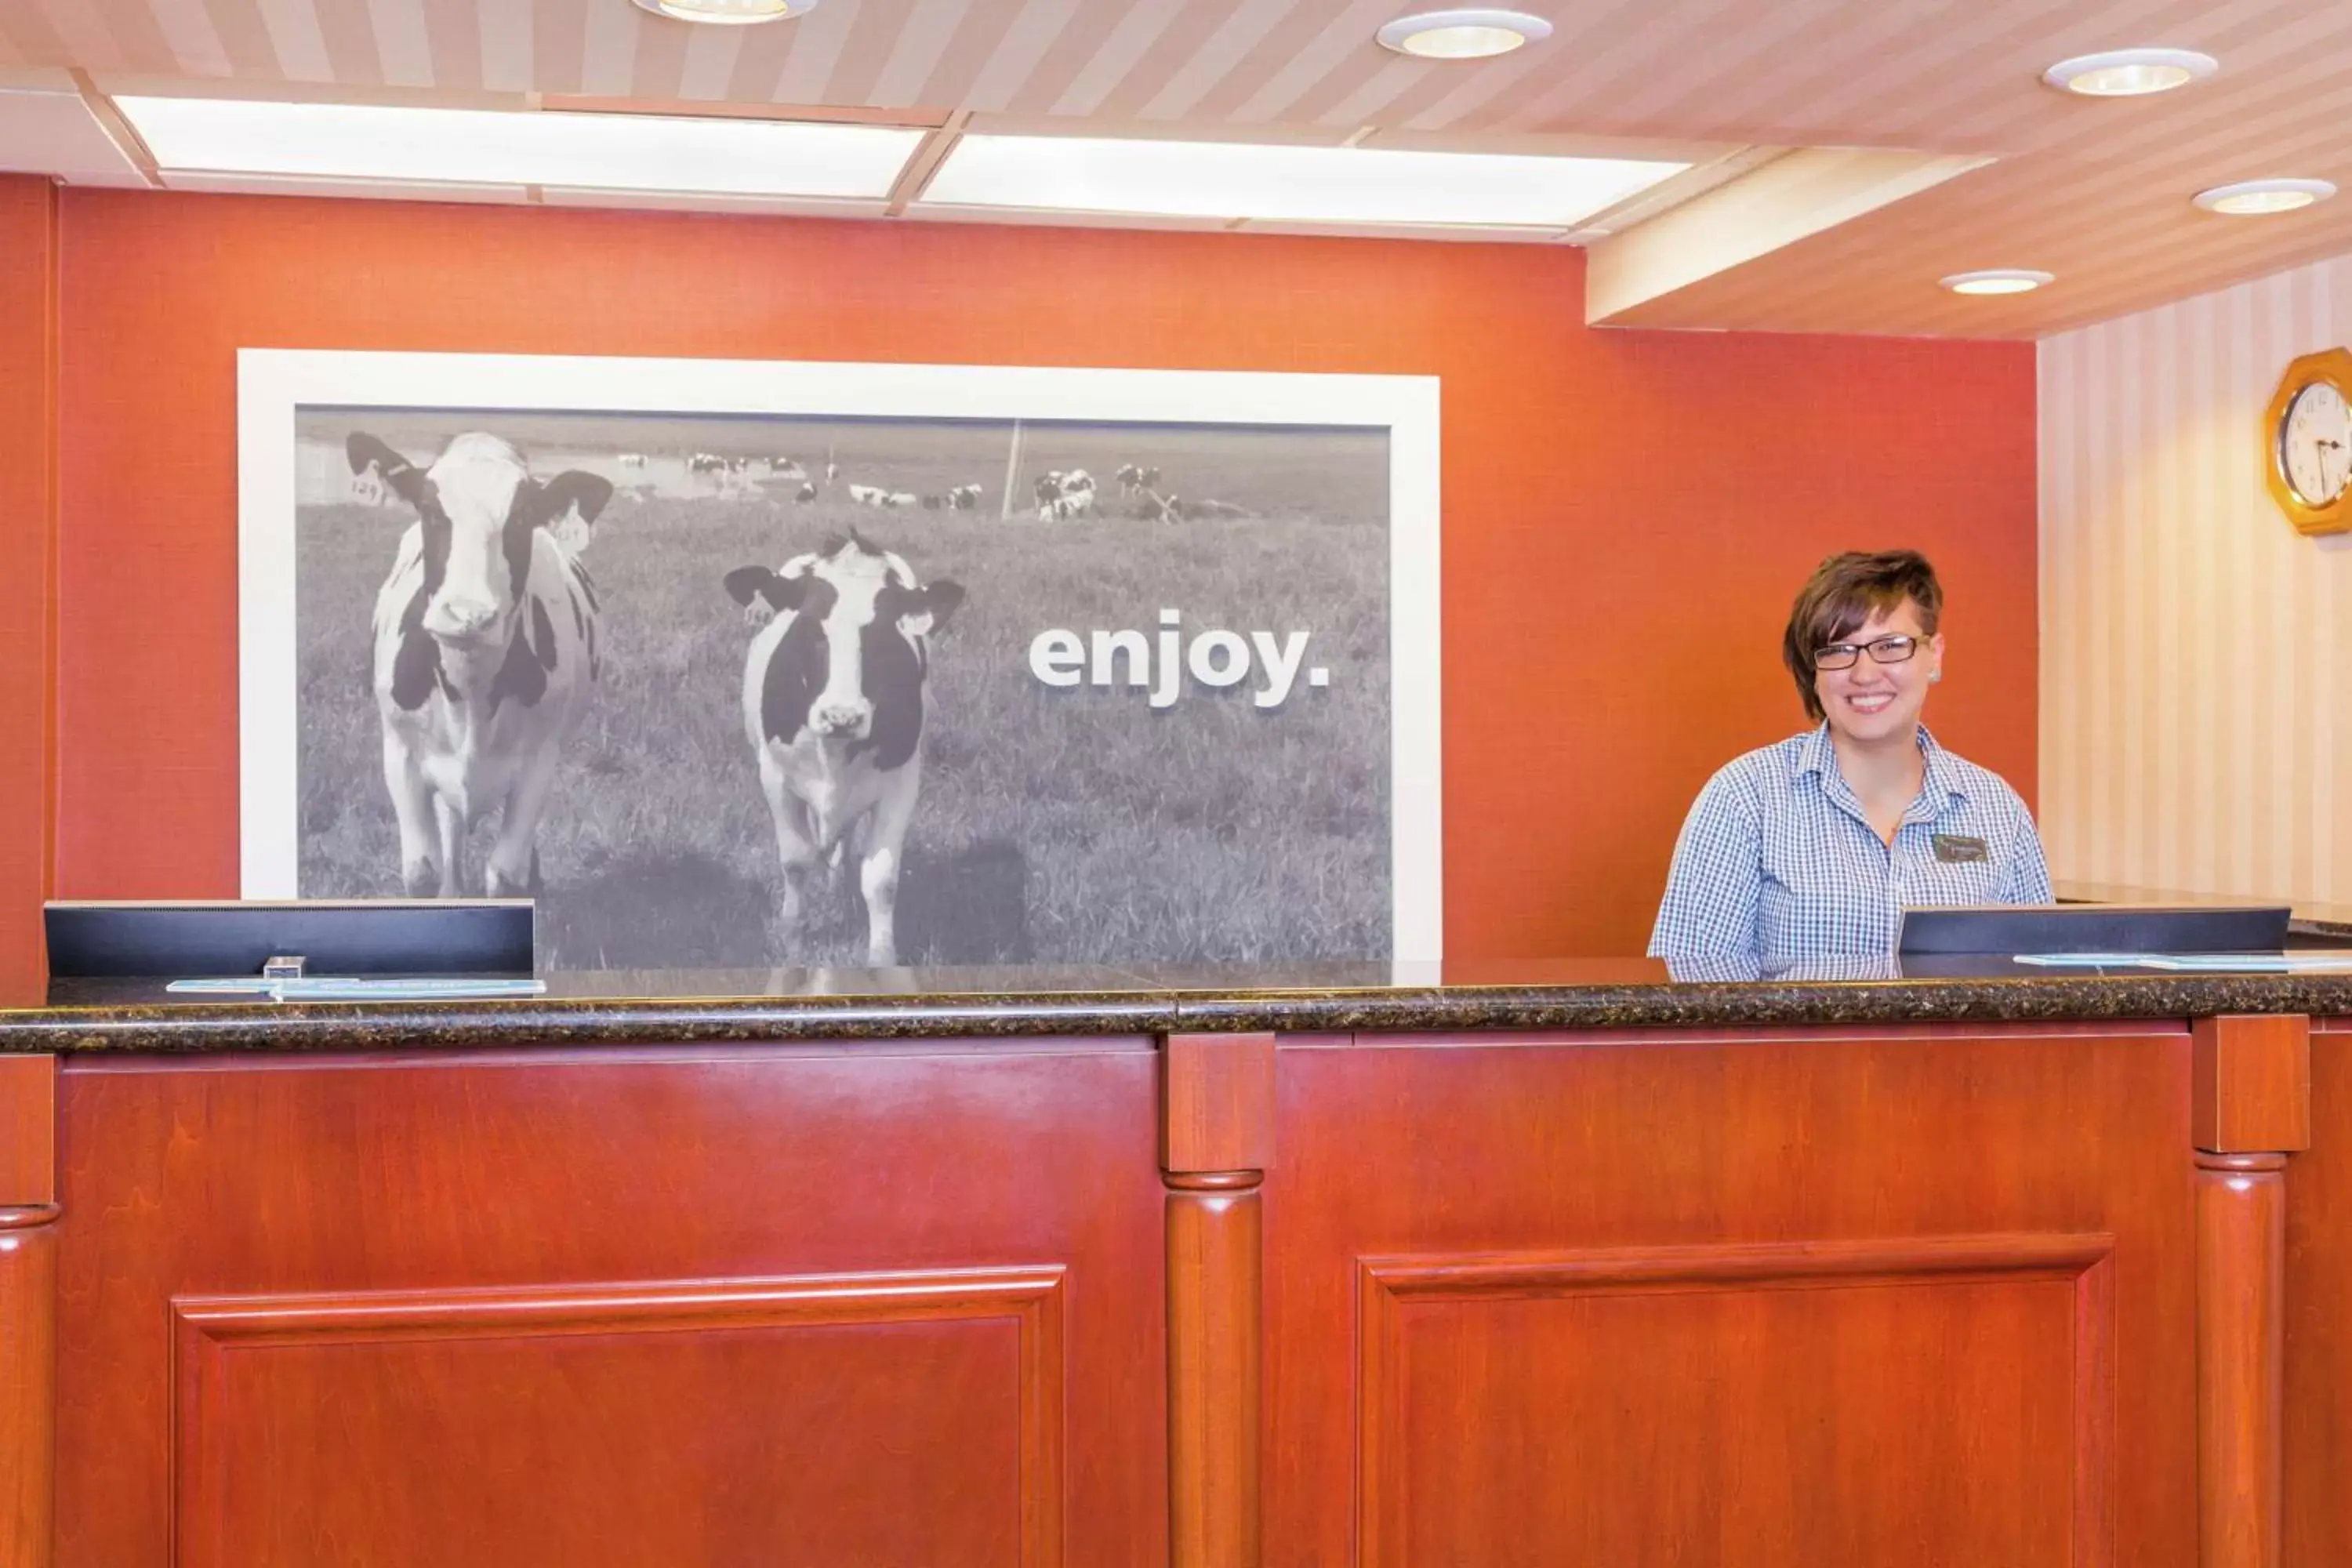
[{"x": 606, "y": 1007}]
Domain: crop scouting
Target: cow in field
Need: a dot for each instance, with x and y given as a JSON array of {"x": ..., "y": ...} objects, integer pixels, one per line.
[
  {"x": 833, "y": 705},
  {"x": 485, "y": 638},
  {"x": 868, "y": 495},
  {"x": 965, "y": 498},
  {"x": 1063, "y": 495},
  {"x": 805, "y": 494}
]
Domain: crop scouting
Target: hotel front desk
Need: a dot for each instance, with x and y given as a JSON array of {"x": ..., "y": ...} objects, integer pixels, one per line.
[{"x": 1551, "y": 1263}]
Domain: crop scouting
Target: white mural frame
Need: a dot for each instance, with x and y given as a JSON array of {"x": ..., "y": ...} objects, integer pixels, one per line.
[{"x": 272, "y": 383}]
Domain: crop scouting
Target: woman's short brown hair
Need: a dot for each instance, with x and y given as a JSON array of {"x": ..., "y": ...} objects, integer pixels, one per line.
[{"x": 1844, "y": 593}]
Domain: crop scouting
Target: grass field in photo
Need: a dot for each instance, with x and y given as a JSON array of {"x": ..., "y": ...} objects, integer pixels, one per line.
[{"x": 1054, "y": 827}]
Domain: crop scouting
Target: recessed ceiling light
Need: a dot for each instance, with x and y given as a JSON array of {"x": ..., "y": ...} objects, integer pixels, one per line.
[
  {"x": 479, "y": 146},
  {"x": 2248, "y": 198},
  {"x": 732, "y": 12},
  {"x": 1284, "y": 184},
  {"x": 2129, "y": 73},
  {"x": 1997, "y": 281},
  {"x": 1475, "y": 34}
]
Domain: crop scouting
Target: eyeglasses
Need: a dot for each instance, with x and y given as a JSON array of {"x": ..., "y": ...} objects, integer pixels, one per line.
[{"x": 1883, "y": 650}]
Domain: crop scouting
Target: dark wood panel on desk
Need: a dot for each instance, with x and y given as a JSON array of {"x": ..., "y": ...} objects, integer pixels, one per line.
[
  {"x": 1910, "y": 1296},
  {"x": 881, "y": 1304},
  {"x": 2316, "y": 1432}
]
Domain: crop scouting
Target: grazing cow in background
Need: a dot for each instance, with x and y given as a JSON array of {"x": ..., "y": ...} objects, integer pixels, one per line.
[
  {"x": 965, "y": 498},
  {"x": 485, "y": 652},
  {"x": 833, "y": 705},
  {"x": 805, "y": 494},
  {"x": 1130, "y": 479},
  {"x": 1061, "y": 496},
  {"x": 784, "y": 467},
  {"x": 705, "y": 463},
  {"x": 902, "y": 498},
  {"x": 1077, "y": 494},
  {"x": 868, "y": 495}
]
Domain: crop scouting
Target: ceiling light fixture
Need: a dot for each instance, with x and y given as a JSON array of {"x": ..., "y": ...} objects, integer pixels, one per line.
[
  {"x": 773, "y": 158},
  {"x": 2130, "y": 73},
  {"x": 731, "y": 12},
  {"x": 1278, "y": 183},
  {"x": 1997, "y": 281},
  {"x": 1473, "y": 34},
  {"x": 2251, "y": 198}
]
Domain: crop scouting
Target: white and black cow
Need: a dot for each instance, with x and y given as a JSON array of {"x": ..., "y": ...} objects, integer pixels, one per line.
[
  {"x": 833, "y": 705},
  {"x": 1063, "y": 496},
  {"x": 965, "y": 498},
  {"x": 485, "y": 652}
]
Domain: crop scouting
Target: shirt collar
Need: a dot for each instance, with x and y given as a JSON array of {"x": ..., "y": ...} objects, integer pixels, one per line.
[{"x": 1940, "y": 783}]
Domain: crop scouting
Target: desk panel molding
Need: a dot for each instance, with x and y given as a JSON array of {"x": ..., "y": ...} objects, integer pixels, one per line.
[
  {"x": 562, "y": 1420},
  {"x": 1547, "y": 1373}
]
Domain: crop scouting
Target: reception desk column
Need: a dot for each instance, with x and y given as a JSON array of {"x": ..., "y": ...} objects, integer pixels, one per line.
[
  {"x": 2249, "y": 1108},
  {"x": 28, "y": 1281},
  {"x": 1216, "y": 1145}
]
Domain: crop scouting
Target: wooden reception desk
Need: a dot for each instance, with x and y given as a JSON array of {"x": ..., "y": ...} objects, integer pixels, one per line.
[{"x": 1549, "y": 1264}]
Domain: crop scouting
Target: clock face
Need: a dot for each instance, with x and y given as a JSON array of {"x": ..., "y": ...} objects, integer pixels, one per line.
[{"x": 2315, "y": 444}]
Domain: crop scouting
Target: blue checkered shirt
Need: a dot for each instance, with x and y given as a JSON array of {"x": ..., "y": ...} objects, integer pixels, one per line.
[{"x": 1776, "y": 858}]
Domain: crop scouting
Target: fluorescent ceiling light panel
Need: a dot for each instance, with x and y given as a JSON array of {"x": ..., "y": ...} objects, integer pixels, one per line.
[
  {"x": 1292, "y": 184},
  {"x": 472, "y": 146}
]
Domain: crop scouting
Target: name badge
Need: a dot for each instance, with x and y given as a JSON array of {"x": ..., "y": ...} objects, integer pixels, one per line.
[{"x": 1953, "y": 847}]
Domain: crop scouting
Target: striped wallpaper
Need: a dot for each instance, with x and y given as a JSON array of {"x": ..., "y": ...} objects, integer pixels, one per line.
[{"x": 2196, "y": 651}]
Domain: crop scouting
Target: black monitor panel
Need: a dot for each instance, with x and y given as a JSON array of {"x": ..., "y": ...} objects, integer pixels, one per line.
[
  {"x": 94, "y": 940},
  {"x": 2009, "y": 929}
]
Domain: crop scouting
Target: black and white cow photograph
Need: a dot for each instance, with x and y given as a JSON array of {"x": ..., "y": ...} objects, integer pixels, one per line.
[{"x": 728, "y": 691}]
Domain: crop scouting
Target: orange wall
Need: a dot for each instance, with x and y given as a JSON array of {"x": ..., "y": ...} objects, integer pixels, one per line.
[
  {"x": 28, "y": 251},
  {"x": 1626, "y": 514}
]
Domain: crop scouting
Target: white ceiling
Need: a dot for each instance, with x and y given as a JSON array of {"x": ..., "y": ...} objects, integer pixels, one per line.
[{"x": 2008, "y": 172}]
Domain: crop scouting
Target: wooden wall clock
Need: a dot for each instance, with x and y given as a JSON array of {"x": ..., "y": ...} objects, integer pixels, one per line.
[{"x": 2307, "y": 442}]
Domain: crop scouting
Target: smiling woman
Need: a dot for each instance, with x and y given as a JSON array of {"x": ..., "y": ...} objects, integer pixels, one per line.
[{"x": 1812, "y": 847}]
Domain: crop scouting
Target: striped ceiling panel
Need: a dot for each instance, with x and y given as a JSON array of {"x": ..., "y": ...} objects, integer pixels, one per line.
[{"x": 2096, "y": 191}]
